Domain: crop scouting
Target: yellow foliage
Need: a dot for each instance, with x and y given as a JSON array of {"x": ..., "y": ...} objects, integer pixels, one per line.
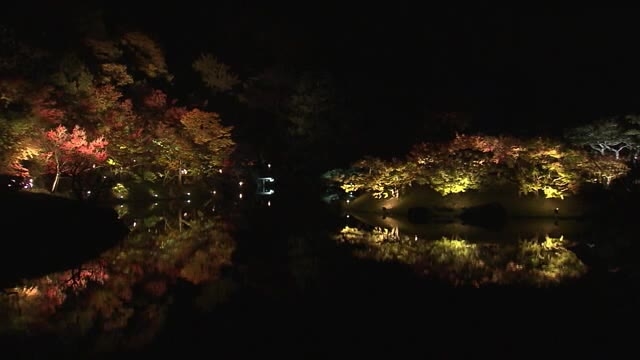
[
  {"x": 467, "y": 264},
  {"x": 216, "y": 75}
]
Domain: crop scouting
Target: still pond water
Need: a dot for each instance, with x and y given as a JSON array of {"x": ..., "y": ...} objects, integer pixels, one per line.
[{"x": 265, "y": 276}]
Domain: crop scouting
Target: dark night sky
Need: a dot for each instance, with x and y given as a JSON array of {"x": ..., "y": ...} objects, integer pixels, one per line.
[{"x": 510, "y": 67}]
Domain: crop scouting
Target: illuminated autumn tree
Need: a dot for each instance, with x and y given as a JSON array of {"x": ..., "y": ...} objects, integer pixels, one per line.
[
  {"x": 451, "y": 167},
  {"x": 601, "y": 169},
  {"x": 148, "y": 57},
  {"x": 104, "y": 110},
  {"x": 216, "y": 75},
  {"x": 174, "y": 154},
  {"x": 116, "y": 74},
  {"x": 380, "y": 178},
  {"x": 111, "y": 70},
  {"x": 17, "y": 146},
  {"x": 206, "y": 131},
  {"x": 169, "y": 150},
  {"x": 104, "y": 50},
  {"x": 546, "y": 167},
  {"x": 362, "y": 174},
  {"x": 71, "y": 153},
  {"x": 501, "y": 149},
  {"x": 45, "y": 106},
  {"x": 22, "y": 109}
]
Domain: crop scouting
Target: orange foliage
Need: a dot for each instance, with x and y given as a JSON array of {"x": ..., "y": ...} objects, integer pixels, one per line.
[
  {"x": 104, "y": 98},
  {"x": 205, "y": 126},
  {"x": 116, "y": 74},
  {"x": 147, "y": 54},
  {"x": 45, "y": 107},
  {"x": 156, "y": 99}
]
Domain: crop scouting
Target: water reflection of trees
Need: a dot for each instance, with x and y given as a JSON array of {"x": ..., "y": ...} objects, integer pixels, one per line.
[
  {"x": 122, "y": 296},
  {"x": 536, "y": 261}
]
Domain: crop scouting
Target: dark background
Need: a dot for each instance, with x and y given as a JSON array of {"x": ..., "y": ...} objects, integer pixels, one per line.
[
  {"x": 516, "y": 70},
  {"x": 512, "y": 67}
]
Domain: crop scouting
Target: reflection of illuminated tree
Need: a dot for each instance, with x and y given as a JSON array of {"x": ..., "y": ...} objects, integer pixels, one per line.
[
  {"x": 549, "y": 260},
  {"x": 462, "y": 263},
  {"x": 128, "y": 288}
]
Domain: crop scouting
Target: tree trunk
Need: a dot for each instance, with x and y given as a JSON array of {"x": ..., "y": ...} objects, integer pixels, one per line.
[
  {"x": 57, "y": 178},
  {"x": 55, "y": 182}
]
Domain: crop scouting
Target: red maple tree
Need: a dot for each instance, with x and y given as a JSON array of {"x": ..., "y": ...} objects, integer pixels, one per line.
[{"x": 71, "y": 153}]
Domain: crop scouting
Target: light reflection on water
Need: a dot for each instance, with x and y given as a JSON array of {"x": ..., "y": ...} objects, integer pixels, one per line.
[
  {"x": 128, "y": 286},
  {"x": 132, "y": 285},
  {"x": 536, "y": 251},
  {"x": 532, "y": 262}
]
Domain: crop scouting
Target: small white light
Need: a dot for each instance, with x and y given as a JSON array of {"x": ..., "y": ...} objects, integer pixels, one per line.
[
  {"x": 220, "y": 171},
  {"x": 240, "y": 183},
  {"x": 134, "y": 224},
  {"x": 240, "y": 196},
  {"x": 269, "y": 203},
  {"x": 415, "y": 238},
  {"x": 269, "y": 166}
]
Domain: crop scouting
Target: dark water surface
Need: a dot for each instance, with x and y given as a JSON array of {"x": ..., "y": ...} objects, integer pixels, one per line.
[{"x": 274, "y": 276}]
